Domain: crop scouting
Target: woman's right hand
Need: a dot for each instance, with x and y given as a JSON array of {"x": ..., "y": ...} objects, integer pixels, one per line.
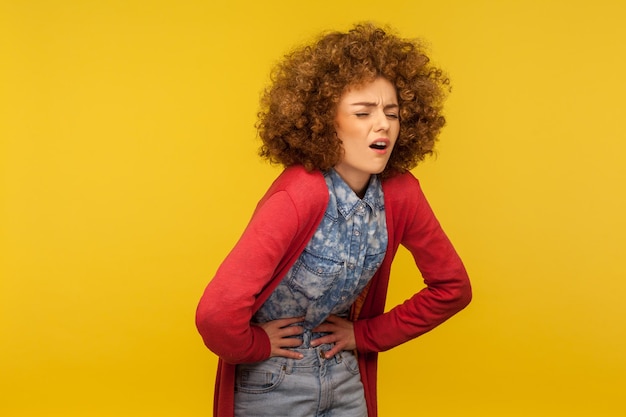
[{"x": 279, "y": 332}]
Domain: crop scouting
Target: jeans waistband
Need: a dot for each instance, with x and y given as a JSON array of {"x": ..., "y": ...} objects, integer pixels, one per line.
[{"x": 315, "y": 356}]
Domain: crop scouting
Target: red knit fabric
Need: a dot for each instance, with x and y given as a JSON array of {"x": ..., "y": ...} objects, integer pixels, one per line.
[{"x": 281, "y": 226}]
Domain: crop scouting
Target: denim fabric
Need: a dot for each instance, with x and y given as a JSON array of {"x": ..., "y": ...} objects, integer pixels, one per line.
[
  {"x": 336, "y": 265},
  {"x": 311, "y": 387}
]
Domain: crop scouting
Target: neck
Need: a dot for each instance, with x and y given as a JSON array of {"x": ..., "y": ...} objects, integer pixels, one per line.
[{"x": 357, "y": 182}]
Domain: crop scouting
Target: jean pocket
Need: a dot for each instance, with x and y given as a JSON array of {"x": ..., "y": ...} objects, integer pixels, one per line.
[
  {"x": 350, "y": 362},
  {"x": 259, "y": 378},
  {"x": 313, "y": 275}
]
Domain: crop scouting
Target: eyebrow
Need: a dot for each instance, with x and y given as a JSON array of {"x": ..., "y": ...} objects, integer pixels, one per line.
[{"x": 372, "y": 104}]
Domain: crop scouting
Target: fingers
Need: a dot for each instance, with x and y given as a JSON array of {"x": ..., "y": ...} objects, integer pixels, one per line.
[
  {"x": 286, "y": 353},
  {"x": 332, "y": 324},
  {"x": 334, "y": 318},
  {"x": 340, "y": 335},
  {"x": 280, "y": 333},
  {"x": 330, "y": 353},
  {"x": 285, "y": 341},
  {"x": 337, "y": 345},
  {"x": 282, "y": 327},
  {"x": 326, "y": 327},
  {"x": 340, "y": 342},
  {"x": 291, "y": 331}
]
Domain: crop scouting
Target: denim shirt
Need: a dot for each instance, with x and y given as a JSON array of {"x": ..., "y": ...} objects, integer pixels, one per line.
[{"x": 342, "y": 256}]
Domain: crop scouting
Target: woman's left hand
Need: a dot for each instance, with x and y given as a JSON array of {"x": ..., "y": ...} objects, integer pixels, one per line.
[{"x": 341, "y": 334}]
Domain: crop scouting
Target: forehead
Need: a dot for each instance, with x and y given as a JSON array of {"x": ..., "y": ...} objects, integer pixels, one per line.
[{"x": 377, "y": 91}]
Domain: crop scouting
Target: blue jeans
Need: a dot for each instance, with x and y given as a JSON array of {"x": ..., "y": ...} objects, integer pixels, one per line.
[{"x": 308, "y": 387}]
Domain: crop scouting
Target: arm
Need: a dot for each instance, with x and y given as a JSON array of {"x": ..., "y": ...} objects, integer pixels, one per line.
[
  {"x": 447, "y": 288},
  {"x": 226, "y": 307}
]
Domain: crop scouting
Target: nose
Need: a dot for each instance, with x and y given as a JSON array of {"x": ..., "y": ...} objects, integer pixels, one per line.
[{"x": 382, "y": 122}]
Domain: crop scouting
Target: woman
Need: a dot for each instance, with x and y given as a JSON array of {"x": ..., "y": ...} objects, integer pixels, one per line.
[{"x": 296, "y": 310}]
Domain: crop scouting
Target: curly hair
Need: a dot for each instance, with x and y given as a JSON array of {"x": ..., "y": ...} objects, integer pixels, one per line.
[{"x": 296, "y": 120}]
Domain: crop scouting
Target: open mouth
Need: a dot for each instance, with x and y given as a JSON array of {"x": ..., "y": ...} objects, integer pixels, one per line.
[{"x": 379, "y": 145}]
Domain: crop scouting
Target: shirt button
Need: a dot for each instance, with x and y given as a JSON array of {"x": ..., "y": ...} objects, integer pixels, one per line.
[
  {"x": 350, "y": 266},
  {"x": 343, "y": 298},
  {"x": 357, "y": 233}
]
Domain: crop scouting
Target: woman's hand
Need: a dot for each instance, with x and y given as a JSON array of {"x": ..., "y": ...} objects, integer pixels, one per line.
[
  {"x": 279, "y": 332},
  {"x": 341, "y": 334}
]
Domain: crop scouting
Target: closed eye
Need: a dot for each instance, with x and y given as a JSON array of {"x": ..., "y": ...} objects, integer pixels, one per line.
[{"x": 392, "y": 116}]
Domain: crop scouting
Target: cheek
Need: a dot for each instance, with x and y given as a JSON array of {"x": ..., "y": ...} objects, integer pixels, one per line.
[
  {"x": 347, "y": 132},
  {"x": 342, "y": 129},
  {"x": 395, "y": 132}
]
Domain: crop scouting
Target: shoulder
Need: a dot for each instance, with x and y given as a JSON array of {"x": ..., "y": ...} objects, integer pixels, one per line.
[
  {"x": 297, "y": 180},
  {"x": 306, "y": 190},
  {"x": 402, "y": 187}
]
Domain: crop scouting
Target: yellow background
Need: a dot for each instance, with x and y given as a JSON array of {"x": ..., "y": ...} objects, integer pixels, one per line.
[{"x": 129, "y": 169}]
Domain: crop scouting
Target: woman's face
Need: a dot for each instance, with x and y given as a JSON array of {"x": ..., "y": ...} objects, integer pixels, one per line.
[{"x": 367, "y": 123}]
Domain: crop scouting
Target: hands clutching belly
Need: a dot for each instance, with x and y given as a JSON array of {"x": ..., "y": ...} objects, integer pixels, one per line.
[
  {"x": 280, "y": 332},
  {"x": 340, "y": 334}
]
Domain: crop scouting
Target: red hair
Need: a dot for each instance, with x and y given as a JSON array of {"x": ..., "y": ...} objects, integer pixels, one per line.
[{"x": 296, "y": 120}]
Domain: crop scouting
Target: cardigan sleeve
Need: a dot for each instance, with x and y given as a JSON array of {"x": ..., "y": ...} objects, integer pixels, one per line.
[
  {"x": 227, "y": 304},
  {"x": 447, "y": 289}
]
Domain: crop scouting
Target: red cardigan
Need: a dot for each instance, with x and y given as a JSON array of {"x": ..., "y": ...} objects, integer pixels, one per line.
[{"x": 281, "y": 226}]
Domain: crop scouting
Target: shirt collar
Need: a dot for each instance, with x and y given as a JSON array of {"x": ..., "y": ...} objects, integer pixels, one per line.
[{"x": 347, "y": 200}]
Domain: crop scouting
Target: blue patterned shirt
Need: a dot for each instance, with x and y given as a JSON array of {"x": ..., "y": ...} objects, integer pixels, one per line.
[{"x": 337, "y": 263}]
